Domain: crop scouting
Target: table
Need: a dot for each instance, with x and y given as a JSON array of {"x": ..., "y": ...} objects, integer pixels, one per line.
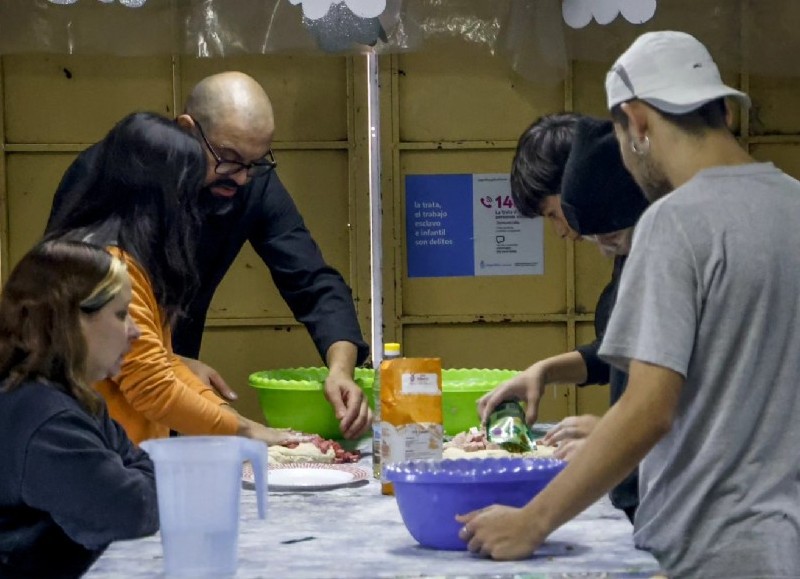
[{"x": 355, "y": 532}]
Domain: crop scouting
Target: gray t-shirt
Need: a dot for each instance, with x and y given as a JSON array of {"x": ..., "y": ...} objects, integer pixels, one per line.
[{"x": 711, "y": 290}]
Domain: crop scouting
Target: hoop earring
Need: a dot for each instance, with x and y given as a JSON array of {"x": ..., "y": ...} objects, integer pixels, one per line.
[{"x": 641, "y": 146}]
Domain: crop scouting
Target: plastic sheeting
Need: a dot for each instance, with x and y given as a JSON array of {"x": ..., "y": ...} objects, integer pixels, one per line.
[{"x": 530, "y": 34}]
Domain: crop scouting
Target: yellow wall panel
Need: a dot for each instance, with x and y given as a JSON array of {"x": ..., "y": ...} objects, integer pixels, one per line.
[
  {"x": 247, "y": 291},
  {"x": 591, "y": 399},
  {"x": 454, "y": 92},
  {"x": 77, "y": 99},
  {"x": 509, "y": 346},
  {"x": 238, "y": 352},
  {"x": 310, "y": 96},
  {"x": 460, "y": 92},
  {"x": 32, "y": 179},
  {"x": 785, "y": 156},
  {"x": 482, "y": 294},
  {"x": 588, "y": 88},
  {"x": 772, "y": 48},
  {"x": 775, "y": 109},
  {"x": 592, "y": 274},
  {"x": 716, "y": 24},
  {"x": 318, "y": 183},
  {"x": 308, "y": 93}
]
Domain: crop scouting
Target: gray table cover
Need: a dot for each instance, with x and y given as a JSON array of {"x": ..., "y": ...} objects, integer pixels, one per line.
[{"x": 355, "y": 532}]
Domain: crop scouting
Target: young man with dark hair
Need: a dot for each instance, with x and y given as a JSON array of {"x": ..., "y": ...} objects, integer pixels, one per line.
[
  {"x": 601, "y": 202},
  {"x": 538, "y": 167}
]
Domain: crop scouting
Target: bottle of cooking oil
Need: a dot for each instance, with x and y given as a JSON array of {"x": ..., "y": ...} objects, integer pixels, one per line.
[{"x": 391, "y": 350}]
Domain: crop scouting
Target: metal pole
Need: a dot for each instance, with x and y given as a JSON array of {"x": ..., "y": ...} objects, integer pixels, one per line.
[{"x": 375, "y": 208}]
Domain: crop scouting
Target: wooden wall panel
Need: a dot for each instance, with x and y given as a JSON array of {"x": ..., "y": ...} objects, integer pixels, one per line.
[
  {"x": 786, "y": 156},
  {"x": 775, "y": 109},
  {"x": 589, "y": 92},
  {"x": 57, "y": 105},
  {"x": 457, "y": 91},
  {"x": 237, "y": 352},
  {"x": 593, "y": 272},
  {"x": 453, "y": 108},
  {"x": 32, "y": 179},
  {"x": 77, "y": 99},
  {"x": 308, "y": 93}
]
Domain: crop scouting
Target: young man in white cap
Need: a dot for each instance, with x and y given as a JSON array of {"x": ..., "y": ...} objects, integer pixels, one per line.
[{"x": 705, "y": 324}]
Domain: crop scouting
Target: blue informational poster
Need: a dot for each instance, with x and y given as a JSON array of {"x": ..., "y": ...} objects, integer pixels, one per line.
[{"x": 467, "y": 225}]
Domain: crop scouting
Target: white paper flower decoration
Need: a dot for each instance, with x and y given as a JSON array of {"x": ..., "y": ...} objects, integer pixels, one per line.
[
  {"x": 579, "y": 13},
  {"x": 637, "y": 11},
  {"x": 128, "y": 3},
  {"x": 316, "y": 9}
]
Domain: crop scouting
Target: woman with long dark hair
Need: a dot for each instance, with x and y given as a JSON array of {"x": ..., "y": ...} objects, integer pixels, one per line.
[{"x": 141, "y": 203}]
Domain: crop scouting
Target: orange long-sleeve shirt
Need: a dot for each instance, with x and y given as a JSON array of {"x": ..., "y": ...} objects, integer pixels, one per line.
[{"x": 155, "y": 391}]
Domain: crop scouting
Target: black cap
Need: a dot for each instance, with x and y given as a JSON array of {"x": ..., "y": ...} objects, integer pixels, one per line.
[{"x": 598, "y": 195}]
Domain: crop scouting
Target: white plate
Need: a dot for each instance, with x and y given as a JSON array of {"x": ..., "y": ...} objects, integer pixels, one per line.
[
  {"x": 298, "y": 476},
  {"x": 309, "y": 478}
]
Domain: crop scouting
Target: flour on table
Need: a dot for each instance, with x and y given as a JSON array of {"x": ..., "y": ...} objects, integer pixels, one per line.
[{"x": 303, "y": 452}]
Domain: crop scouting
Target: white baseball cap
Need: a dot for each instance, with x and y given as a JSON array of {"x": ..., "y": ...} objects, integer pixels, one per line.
[{"x": 671, "y": 71}]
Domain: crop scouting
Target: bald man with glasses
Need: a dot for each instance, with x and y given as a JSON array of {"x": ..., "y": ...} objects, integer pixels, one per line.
[
  {"x": 226, "y": 167},
  {"x": 244, "y": 200}
]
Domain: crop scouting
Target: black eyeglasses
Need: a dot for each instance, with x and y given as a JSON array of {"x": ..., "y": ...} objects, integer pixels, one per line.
[{"x": 227, "y": 168}]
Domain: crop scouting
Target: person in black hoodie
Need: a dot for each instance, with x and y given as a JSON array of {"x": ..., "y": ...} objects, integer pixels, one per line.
[
  {"x": 598, "y": 200},
  {"x": 72, "y": 481}
]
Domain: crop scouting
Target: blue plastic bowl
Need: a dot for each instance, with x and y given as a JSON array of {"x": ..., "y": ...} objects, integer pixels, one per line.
[{"x": 430, "y": 493}]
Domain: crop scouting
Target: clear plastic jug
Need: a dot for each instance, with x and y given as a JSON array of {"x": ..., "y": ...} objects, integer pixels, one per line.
[{"x": 198, "y": 481}]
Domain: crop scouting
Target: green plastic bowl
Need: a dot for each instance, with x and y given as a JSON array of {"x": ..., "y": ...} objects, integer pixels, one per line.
[
  {"x": 295, "y": 398},
  {"x": 461, "y": 388}
]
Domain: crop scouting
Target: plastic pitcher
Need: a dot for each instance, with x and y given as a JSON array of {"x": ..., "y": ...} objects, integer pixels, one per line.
[{"x": 198, "y": 481}]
